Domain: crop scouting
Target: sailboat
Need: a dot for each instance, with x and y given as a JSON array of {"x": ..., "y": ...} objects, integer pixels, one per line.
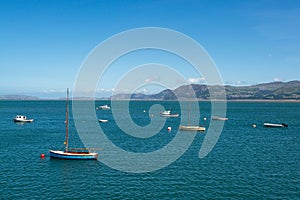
[
  {"x": 68, "y": 153},
  {"x": 189, "y": 127}
]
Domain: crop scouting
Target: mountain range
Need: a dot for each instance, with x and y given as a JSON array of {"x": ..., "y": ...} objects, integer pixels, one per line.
[
  {"x": 266, "y": 91},
  {"x": 18, "y": 97}
]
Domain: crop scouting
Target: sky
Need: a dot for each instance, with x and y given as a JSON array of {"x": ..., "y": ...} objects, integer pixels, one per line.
[{"x": 43, "y": 44}]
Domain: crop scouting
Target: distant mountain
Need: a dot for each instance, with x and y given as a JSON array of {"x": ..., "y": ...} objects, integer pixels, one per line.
[
  {"x": 17, "y": 97},
  {"x": 273, "y": 90},
  {"x": 266, "y": 91}
]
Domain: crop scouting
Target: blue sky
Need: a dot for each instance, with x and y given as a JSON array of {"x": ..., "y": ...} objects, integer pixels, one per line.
[{"x": 44, "y": 43}]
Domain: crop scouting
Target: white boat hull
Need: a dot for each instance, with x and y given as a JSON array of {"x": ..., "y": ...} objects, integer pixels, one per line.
[
  {"x": 169, "y": 115},
  {"x": 270, "y": 125},
  {"x": 22, "y": 119},
  {"x": 191, "y": 128},
  {"x": 104, "y": 107},
  {"x": 220, "y": 118}
]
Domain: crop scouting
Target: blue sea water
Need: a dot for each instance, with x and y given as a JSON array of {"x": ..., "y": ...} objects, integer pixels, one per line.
[{"x": 246, "y": 162}]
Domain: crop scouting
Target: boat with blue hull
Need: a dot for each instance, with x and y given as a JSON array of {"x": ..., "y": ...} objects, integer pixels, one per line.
[
  {"x": 73, "y": 155},
  {"x": 68, "y": 153}
]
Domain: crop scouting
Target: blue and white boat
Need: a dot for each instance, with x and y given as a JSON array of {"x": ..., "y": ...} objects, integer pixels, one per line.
[
  {"x": 72, "y": 154},
  {"x": 22, "y": 119}
]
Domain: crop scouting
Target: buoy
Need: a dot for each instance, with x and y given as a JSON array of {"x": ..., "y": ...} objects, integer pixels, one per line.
[
  {"x": 144, "y": 111},
  {"x": 42, "y": 156},
  {"x": 204, "y": 118},
  {"x": 169, "y": 128},
  {"x": 254, "y": 125}
]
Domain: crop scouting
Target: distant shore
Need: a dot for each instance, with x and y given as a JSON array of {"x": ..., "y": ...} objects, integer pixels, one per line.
[
  {"x": 265, "y": 92},
  {"x": 263, "y": 100},
  {"x": 203, "y": 100}
]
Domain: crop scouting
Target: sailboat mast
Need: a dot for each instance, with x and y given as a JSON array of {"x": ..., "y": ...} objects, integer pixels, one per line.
[
  {"x": 67, "y": 120},
  {"x": 189, "y": 114}
]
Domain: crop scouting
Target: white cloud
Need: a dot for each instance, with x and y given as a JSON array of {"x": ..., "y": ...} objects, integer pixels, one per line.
[
  {"x": 104, "y": 90},
  {"x": 196, "y": 80},
  {"x": 53, "y": 91},
  {"x": 242, "y": 83},
  {"x": 276, "y": 79},
  {"x": 238, "y": 83},
  {"x": 152, "y": 79},
  {"x": 142, "y": 90}
]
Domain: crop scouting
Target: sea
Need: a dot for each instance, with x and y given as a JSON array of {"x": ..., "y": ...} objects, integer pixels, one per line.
[{"x": 247, "y": 162}]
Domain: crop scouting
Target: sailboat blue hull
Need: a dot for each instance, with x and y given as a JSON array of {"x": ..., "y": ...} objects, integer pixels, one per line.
[{"x": 72, "y": 156}]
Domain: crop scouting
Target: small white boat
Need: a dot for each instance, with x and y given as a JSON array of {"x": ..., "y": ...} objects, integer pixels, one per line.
[
  {"x": 270, "y": 125},
  {"x": 219, "y": 118},
  {"x": 104, "y": 107},
  {"x": 167, "y": 113},
  {"x": 191, "y": 128},
  {"x": 103, "y": 120},
  {"x": 21, "y": 118}
]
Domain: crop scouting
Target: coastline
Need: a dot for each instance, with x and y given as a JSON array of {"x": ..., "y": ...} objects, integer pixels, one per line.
[
  {"x": 200, "y": 100},
  {"x": 264, "y": 100}
]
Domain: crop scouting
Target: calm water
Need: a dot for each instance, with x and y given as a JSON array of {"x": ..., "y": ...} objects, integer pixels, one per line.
[{"x": 246, "y": 163}]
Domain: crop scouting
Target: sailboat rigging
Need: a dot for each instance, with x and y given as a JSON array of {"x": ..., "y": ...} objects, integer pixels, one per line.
[
  {"x": 189, "y": 127},
  {"x": 72, "y": 154}
]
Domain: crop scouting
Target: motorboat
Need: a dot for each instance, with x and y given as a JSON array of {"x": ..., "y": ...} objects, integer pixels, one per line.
[
  {"x": 103, "y": 120},
  {"x": 219, "y": 118},
  {"x": 167, "y": 113},
  {"x": 271, "y": 125},
  {"x": 103, "y": 107},
  {"x": 22, "y": 118}
]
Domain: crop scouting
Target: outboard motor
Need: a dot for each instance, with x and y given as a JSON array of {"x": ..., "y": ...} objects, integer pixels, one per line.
[{"x": 285, "y": 125}]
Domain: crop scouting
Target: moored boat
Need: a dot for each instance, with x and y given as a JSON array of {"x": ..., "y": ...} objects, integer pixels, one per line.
[
  {"x": 219, "y": 118},
  {"x": 103, "y": 120},
  {"x": 191, "y": 128},
  {"x": 167, "y": 113},
  {"x": 103, "y": 107},
  {"x": 21, "y": 118},
  {"x": 271, "y": 125},
  {"x": 72, "y": 154}
]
